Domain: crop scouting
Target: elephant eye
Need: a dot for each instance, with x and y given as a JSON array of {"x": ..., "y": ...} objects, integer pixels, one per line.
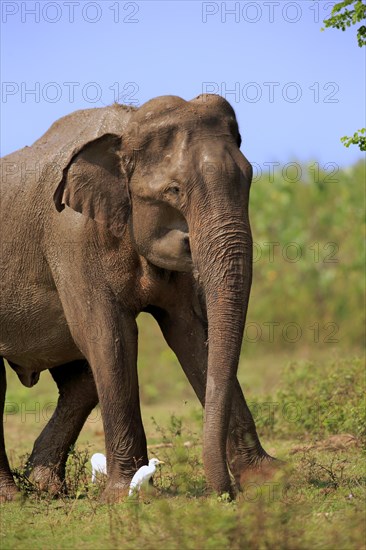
[{"x": 173, "y": 190}]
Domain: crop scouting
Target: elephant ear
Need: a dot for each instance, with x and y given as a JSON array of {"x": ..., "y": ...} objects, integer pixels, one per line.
[{"x": 94, "y": 183}]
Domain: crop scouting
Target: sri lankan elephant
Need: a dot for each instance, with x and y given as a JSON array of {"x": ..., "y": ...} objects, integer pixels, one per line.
[{"x": 115, "y": 211}]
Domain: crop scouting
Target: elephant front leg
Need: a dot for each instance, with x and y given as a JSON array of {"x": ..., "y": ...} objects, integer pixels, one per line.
[
  {"x": 77, "y": 398},
  {"x": 113, "y": 359},
  {"x": 185, "y": 333},
  {"x": 245, "y": 453}
]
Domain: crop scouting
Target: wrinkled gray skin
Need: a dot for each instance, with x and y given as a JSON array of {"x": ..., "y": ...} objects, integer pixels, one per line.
[{"x": 112, "y": 212}]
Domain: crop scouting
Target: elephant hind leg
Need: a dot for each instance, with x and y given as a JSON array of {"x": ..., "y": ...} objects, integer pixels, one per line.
[
  {"x": 77, "y": 398},
  {"x": 8, "y": 489}
]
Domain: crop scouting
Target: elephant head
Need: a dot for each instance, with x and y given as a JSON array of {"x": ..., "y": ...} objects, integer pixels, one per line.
[{"x": 177, "y": 181}]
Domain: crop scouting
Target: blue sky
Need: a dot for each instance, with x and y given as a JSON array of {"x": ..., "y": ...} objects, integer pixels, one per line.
[{"x": 295, "y": 89}]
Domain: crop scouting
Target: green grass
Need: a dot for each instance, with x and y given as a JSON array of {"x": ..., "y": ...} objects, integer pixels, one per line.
[
  {"x": 318, "y": 399},
  {"x": 315, "y": 501},
  {"x": 289, "y": 521}
]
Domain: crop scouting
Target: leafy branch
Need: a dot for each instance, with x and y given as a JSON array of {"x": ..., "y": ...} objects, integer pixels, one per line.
[
  {"x": 342, "y": 19},
  {"x": 356, "y": 139}
]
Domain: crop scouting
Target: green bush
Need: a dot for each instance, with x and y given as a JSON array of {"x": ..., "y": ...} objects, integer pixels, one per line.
[
  {"x": 312, "y": 273},
  {"x": 316, "y": 399}
]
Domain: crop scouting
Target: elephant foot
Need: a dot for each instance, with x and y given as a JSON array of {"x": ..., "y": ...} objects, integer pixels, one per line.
[
  {"x": 9, "y": 492},
  {"x": 115, "y": 492},
  {"x": 263, "y": 470},
  {"x": 46, "y": 479},
  {"x": 254, "y": 467}
]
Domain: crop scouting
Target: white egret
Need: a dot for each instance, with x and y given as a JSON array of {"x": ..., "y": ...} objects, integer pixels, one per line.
[
  {"x": 99, "y": 465},
  {"x": 143, "y": 475}
]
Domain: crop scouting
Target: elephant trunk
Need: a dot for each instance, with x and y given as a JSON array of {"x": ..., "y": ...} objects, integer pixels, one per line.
[{"x": 223, "y": 257}]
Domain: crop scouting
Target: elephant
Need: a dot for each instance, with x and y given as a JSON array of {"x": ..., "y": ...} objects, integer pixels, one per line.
[{"x": 115, "y": 211}]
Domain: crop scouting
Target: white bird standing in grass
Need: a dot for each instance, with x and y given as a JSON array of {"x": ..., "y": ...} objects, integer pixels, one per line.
[
  {"x": 99, "y": 465},
  {"x": 143, "y": 475}
]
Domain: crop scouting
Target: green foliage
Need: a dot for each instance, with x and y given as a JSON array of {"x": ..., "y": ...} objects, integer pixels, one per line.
[
  {"x": 316, "y": 399},
  {"x": 77, "y": 471},
  {"x": 180, "y": 450},
  {"x": 342, "y": 17},
  {"x": 77, "y": 478},
  {"x": 21, "y": 479},
  {"x": 358, "y": 138},
  {"x": 308, "y": 259}
]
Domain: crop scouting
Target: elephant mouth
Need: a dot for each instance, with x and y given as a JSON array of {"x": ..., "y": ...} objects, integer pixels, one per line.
[
  {"x": 186, "y": 244},
  {"x": 172, "y": 251}
]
